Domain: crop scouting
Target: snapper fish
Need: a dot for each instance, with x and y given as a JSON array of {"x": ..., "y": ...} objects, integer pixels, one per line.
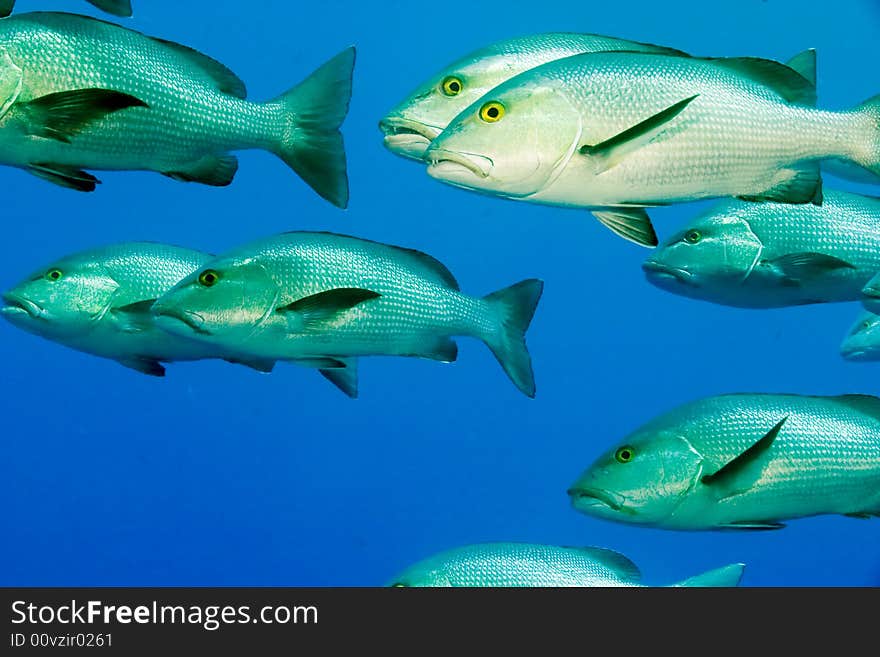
[
  {"x": 531, "y": 565},
  {"x": 121, "y": 8},
  {"x": 77, "y": 93},
  {"x": 325, "y": 299},
  {"x": 741, "y": 461},
  {"x": 619, "y": 132},
  {"x": 862, "y": 343}
]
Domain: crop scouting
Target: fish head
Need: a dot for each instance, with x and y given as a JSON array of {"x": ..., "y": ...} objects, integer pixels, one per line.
[
  {"x": 64, "y": 299},
  {"x": 425, "y": 574},
  {"x": 642, "y": 481},
  {"x": 411, "y": 126},
  {"x": 513, "y": 142},
  {"x": 871, "y": 295},
  {"x": 863, "y": 340},
  {"x": 224, "y": 302},
  {"x": 715, "y": 253}
]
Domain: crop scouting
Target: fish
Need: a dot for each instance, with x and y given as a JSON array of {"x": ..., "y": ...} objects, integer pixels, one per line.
[
  {"x": 98, "y": 301},
  {"x": 411, "y": 126},
  {"x": 862, "y": 343},
  {"x": 871, "y": 294},
  {"x": 770, "y": 255},
  {"x": 532, "y": 565},
  {"x": 121, "y": 8},
  {"x": 79, "y": 94},
  {"x": 620, "y": 132},
  {"x": 325, "y": 298},
  {"x": 741, "y": 461}
]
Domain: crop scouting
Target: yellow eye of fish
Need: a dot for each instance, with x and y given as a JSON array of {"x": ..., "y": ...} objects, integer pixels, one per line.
[
  {"x": 54, "y": 274},
  {"x": 209, "y": 277},
  {"x": 492, "y": 112},
  {"x": 625, "y": 454},
  {"x": 451, "y": 86},
  {"x": 693, "y": 236}
]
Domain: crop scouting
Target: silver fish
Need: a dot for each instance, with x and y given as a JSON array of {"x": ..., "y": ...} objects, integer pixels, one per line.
[
  {"x": 524, "y": 564},
  {"x": 769, "y": 255},
  {"x": 325, "y": 298},
  {"x": 862, "y": 343},
  {"x": 742, "y": 461},
  {"x": 77, "y": 93}
]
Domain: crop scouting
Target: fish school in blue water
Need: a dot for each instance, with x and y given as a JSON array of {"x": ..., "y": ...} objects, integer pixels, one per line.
[{"x": 613, "y": 127}]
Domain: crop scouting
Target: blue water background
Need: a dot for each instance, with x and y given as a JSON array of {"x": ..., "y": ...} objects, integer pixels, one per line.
[{"x": 218, "y": 475}]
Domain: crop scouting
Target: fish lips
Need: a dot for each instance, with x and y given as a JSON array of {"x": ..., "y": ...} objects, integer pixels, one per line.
[
  {"x": 407, "y": 137},
  {"x": 452, "y": 166},
  {"x": 660, "y": 272},
  {"x": 175, "y": 320},
  {"x": 591, "y": 500},
  {"x": 16, "y": 306}
]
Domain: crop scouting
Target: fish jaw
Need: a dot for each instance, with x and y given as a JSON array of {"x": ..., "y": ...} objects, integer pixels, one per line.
[
  {"x": 408, "y": 138},
  {"x": 461, "y": 169},
  {"x": 18, "y": 307},
  {"x": 658, "y": 272},
  {"x": 598, "y": 502},
  {"x": 179, "y": 322}
]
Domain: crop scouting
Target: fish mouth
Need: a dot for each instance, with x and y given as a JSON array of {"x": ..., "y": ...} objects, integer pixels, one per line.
[
  {"x": 15, "y": 304},
  {"x": 872, "y": 293},
  {"x": 854, "y": 354},
  {"x": 595, "y": 498},
  {"x": 408, "y": 137},
  {"x": 658, "y": 270},
  {"x": 442, "y": 163},
  {"x": 193, "y": 320}
]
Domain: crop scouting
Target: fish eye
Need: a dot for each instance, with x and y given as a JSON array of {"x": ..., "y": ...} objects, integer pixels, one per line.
[
  {"x": 209, "y": 277},
  {"x": 54, "y": 274},
  {"x": 451, "y": 86},
  {"x": 492, "y": 112},
  {"x": 693, "y": 236},
  {"x": 625, "y": 454},
  {"x": 866, "y": 324}
]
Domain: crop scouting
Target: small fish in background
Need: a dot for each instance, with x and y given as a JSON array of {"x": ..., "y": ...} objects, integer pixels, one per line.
[
  {"x": 862, "y": 343},
  {"x": 98, "y": 302},
  {"x": 769, "y": 255},
  {"x": 741, "y": 461},
  {"x": 530, "y": 565},
  {"x": 323, "y": 299},
  {"x": 410, "y": 127},
  {"x": 871, "y": 295},
  {"x": 77, "y": 93},
  {"x": 121, "y": 8},
  {"x": 619, "y": 132}
]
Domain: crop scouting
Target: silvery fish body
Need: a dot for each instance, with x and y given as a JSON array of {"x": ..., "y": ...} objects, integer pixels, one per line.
[
  {"x": 410, "y": 127},
  {"x": 323, "y": 298},
  {"x": 98, "y": 301},
  {"x": 78, "y": 93},
  {"x": 621, "y": 131},
  {"x": 862, "y": 343},
  {"x": 531, "y": 565},
  {"x": 120, "y": 8},
  {"x": 768, "y": 255},
  {"x": 741, "y": 461}
]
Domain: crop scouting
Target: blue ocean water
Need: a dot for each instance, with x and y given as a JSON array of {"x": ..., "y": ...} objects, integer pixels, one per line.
[{"x": 217, "y": 475}]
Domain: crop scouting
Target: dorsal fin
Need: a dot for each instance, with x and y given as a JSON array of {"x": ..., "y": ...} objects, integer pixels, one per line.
[
  {"x": 788, "y": 83},
  {"x": 227, "y": 81},
  {"x": 866, "y": 404},
  {"x": 805, "y": 64},
  {"x": 617, "y": 562}
]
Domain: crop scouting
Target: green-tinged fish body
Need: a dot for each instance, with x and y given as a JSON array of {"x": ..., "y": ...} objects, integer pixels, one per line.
[
  {"x": 78, "y": 93},
  {"x": 98, "y": 301},
  {"x": 871, "y": 295},
  {"x": 410, "y": 127},
  {"x": 529, "y": 565},
  {"x": 741, "y": 461},
  {"x": 121, "y": 8},
  {"x": 768, "y": 255},
  {"x": 322, "y": 297},
  {"x": 862, "y": 343},
  {"x": 620, "y": 132}
]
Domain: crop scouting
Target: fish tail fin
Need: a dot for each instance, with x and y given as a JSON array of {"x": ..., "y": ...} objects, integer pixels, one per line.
[
  {"x": 867, "y": 151},
  {"x": 514, "y": 306},
  {"x": 311, "y": 143},
  {"x": 120, "y": 8},
  {"x": 720, "y": 577}
]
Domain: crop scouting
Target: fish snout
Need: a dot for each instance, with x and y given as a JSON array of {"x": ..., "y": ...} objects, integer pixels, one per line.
[
  {"x": 450, "y": 165},
  {"x": 170, "y": 318},
  {"x": 407, "y": 137},
  {"x": 661, "y": 271},
  {"x": 17, "y": 305},
  {"x": 585, "y": 499}
]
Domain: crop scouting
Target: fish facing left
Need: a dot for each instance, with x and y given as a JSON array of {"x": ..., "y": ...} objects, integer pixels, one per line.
[
  {"x": 98, "y": 302},
  {"x": 533, "y": 565},
  {"x": 862, "y": 343},
  {"x": 78, "y": 93},
  {"x": 323, "y": 299},
  {"x": 741, "y": 461},
  {"x": 121, "y": 8}
]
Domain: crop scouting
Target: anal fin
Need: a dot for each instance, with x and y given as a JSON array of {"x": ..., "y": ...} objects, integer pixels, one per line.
[
  {"x": 345, "y": 378},
  {"x": 143, "y": 364},
  {"x": 214, "y": 170},
  {"x": 442, "y": 349}
]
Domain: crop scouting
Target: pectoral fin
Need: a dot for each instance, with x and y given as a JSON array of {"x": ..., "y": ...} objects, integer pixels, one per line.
[
  {"x": 799, "y": 266},
  {"x": 753, "y": 526},
  {"x": 729, "y": 471},
  {"x": 135, "y": 317},
  {"x": 317, "y": 311},
  {"x": 631, "y": 224},
  {"x": 64, "y": 176},
  {"x": 62, "y": 115},
  {"x": 611, "y": 152},
  {"x": 345, "y": 378},
  {"x": 149, "y": 366}
]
